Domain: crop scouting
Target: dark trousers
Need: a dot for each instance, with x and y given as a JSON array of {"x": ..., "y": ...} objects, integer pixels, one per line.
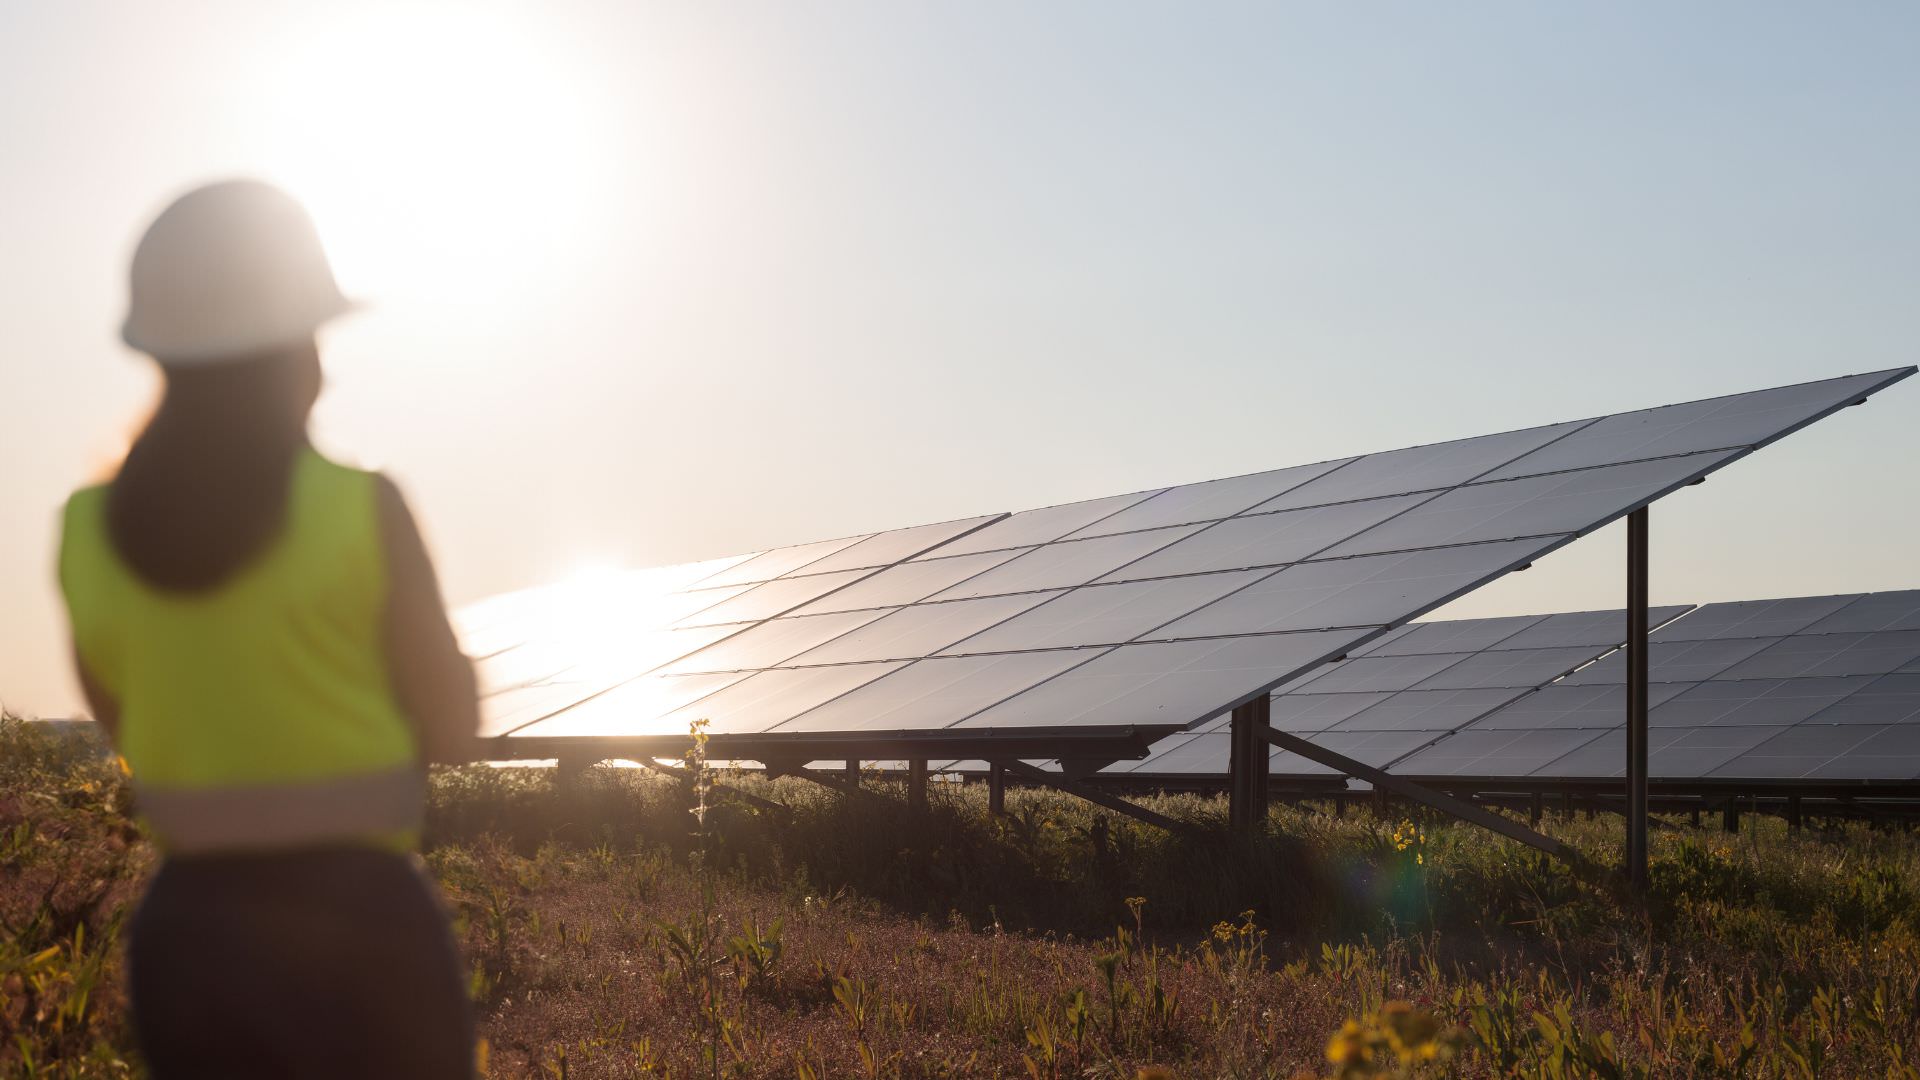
[{"x": 331, "y": 963}]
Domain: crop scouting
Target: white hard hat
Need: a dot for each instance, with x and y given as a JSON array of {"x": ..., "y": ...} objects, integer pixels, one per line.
[{"x": 229, "y": 270}]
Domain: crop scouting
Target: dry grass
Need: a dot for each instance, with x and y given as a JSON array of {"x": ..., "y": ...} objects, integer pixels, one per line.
[{"x": 846, "y": 940}]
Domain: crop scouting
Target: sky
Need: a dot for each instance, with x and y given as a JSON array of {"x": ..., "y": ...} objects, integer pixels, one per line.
[{"x": 650, "y": 283}]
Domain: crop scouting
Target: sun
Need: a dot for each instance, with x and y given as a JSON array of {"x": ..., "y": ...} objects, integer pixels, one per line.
[{"x": 445, "y": 151}]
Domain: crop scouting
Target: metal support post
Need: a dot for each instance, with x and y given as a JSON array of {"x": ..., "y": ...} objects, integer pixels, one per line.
[
  {"x": 917, "y": 785},
  {"x": 997, "y": 788},
  {"x": 1537, "y": 809},
  {"x": 1793, "y": 813},
  {"x": 853, "y": 774},
  {"x": 1248, "y": 764},
  {"x": 1637, "y": 698},
  {"x": 569, "y": 768},
  {"x": 1730, "y": 815}
]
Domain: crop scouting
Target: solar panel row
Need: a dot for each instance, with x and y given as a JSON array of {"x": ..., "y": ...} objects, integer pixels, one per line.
[
  {"x": 1809, "y": 688},
  {"x": 1803, "y": 688},
  {"x": 1163, "y": 608},
  {"x": 1408, "y": 689}
]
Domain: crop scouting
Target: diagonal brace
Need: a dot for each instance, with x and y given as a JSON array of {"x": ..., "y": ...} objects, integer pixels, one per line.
[
  {"x": 842, "y": 784},
  {"x": 686, "y": 777},
  {"x": 1093, "y": 795},
  {"x": 1459, "y": 808}
]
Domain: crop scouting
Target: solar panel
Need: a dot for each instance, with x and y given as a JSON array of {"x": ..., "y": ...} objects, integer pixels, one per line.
[
  {"x": 1030, "y": 527},
  {"x": 1434, "y": 467},
  {"x": 1458, "y": 635},
  {"x": 887, "y": 548},
  {"x": 1211, "y": 500},
  {"x": 1065, "y": 563},
  {"x": 1890, "y": 699},
  {"x": 1105, "y": 614},
  {"x": 1269, "y": 539},
  {"x": 1169, "y": 682},
  {"x": 1430, "y": 710},
  {"x": 1788, "y": 689},
  {"x": 1716, "y": 423},
  {"x": 908, "y": 633},
  {"x": 944, "y": 686},
  {"x": 767, "y": 565},
  {"x": 1752, "y": 618},
  {"x": 1874, "y": 611},
  {"x": 1410, "y": 688},
  {"x": 905, "y": 583},
  {"x": 1161, "y": 609},
  {"x": 1562, "y": 705},
  {"x": 1376, "y": 590}
]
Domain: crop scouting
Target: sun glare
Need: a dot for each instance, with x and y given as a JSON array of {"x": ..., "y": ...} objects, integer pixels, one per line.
[
  {"x": 444, "y": 151},
  {"x": 600, "y": 621}
]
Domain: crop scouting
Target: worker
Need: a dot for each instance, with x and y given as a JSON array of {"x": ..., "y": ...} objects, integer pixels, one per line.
[{"x": 259, "y": 631}]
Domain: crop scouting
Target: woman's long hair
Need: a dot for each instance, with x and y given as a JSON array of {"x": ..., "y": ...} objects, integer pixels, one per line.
[{"x": 204, "y": 487}]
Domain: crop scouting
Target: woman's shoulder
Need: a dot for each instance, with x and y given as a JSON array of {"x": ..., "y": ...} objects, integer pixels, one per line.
[
  {"x": 85, "y": 501},
  {"x": 385, "y": 494}
]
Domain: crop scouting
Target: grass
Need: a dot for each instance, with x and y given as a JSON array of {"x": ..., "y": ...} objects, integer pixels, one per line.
[{"x": 608, "y": 937}]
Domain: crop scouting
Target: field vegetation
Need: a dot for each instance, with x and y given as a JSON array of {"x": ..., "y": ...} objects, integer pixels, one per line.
[{"x": 629, "y": 925}]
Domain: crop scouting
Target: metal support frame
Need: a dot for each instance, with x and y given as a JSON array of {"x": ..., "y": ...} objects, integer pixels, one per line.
[
  {"x": 917, "y": 785},
  {"x": 1092, "y": 794},
  {"x": 1112, "y": 743},
  {"x": 1248, "y": 764},
  {"x": 853, "y": 774},
  {"x": 996, "y": 788},
  {"x": 1793, "y": 812},
  {"x": 1385, "y": 781},
  {"x": 1637, "y": 647}
]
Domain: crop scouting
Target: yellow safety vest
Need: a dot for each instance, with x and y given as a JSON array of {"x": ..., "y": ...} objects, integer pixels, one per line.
[{"x": 256, "y": 715}]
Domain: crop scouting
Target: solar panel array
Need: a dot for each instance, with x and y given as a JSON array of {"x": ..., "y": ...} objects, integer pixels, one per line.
[
  {"x": 1810, "y": 688},
  {"x": 1162, "y": 608},
  {"x": 1407, "y": 690}
]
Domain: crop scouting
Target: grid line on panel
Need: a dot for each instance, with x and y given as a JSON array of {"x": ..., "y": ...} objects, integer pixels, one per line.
[
  {"x": 1147, "y": 503},
  {"x": 980, "y": 522},
  {"x": 829, "y": 547},
  {"x": 1183, "y": 531},
  {"x": 1524, "y": 624},
  {"x": 1513, "y": 736},
  {"x": 1742, "y": 448},
  {"x": 1138, "y": 497},
  {"x": 1873, "y": 608}
]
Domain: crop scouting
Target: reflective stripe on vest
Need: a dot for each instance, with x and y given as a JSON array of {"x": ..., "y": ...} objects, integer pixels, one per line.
[{"x": 344, "y": 809}]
